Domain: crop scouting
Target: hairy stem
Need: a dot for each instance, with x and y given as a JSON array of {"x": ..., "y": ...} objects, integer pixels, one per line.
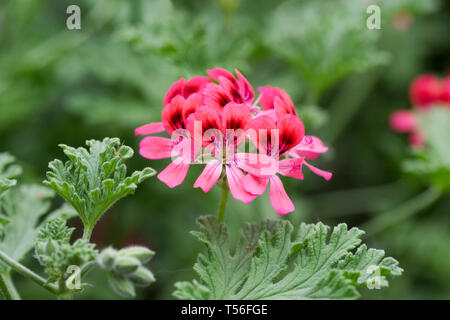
[
  {"x": 7, "y": 287},
  {"x": 223, "y": 202},
  {"x": 87, "y": 232},
  {"x": 24, "y": 271}
]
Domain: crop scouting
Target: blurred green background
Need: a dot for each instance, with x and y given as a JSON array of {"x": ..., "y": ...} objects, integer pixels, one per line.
[{"x": 66, "y": 86}]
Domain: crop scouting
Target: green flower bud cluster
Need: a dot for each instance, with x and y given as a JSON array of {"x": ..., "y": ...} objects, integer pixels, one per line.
[
  {"x": 126, "y": 268},
  {"x": 54, "y": 251}
]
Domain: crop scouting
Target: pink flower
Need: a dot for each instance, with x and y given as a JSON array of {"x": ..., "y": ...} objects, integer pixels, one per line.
[
  {"x": 229, "y": 89},
  {"x": 273, "y": 98},
  {"x": 402, "y": 121},
  {"x": 181, "y": 88},
  {"x": 310, "y": 148},
  {"x": 405, "y": 121},
  {"x": 445, "y": 98},
  {"x": 289, "y": 131},
  {"x": 215, "y": 118},
  {"x": 425, "y": 90},
  {"x": 221, "y": 132},
  {"x": 182, "y": 148},
  {"x": 186, "y": 88},
  {"x": 288, "y": 140}
]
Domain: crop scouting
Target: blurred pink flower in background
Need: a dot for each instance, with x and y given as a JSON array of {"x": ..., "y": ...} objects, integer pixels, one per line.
[{"x": 426, "y": 91}]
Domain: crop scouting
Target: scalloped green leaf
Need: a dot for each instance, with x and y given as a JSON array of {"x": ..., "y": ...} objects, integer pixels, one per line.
[
  {"x": 94, "y": 178},
  {"x": 273, "y": 261}
]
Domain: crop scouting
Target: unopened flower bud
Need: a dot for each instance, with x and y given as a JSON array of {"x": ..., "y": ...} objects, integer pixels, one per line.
[
  {"x": 142, "y": 277},
  {"x": 126, "y": 265},
  {"x": 122, "y": 285},
  {"x": 107, "y": 257},
  {"x": 143, "y": 254}
]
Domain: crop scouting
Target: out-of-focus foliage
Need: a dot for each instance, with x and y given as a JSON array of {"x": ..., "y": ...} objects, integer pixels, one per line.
[
  {"x": 433, "y": 162},
  {"x": 60, "y": 86},
  {"x": 319, "y": 39},
  {"x": 7, "y": 172}
]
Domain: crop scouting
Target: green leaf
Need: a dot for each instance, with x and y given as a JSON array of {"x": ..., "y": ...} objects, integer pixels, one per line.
[
  {"x": 271, "y": 261},
  {"x": 122, "y": 286},
  {"x": 94, "y": 179}
]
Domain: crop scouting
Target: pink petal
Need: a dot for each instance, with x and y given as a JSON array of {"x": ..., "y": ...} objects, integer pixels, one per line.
[
  {"x": 235, "y": 116},
  {"x": 194, "y": 101},
  {"x": 156, "y": 148},
  {"x": 446, "y": 90},
  {"x": 205, "y": 126},
  {"x": 235, "y": 179},
  {"x": 153, "y": 127},
  {"x": 186, "y": 147},
  {"x": 245, "y": 88},
  {"x": 175, "y": 90},
  {"x": 255, "y": 185},
  {"x": 270, "y": 113},
  {"x": 278, "y": 198},
  {"x": 172, "y": 114},
  {"x": 291, "y": 168},
  {"x": 292, "y": 132},
  {"x": 260, "y": 165},
  {"x": 283, "y": 104},
  {"x": 195, "y": 85},
  {"x": 324, "y": 174},
  {"x": 426, "y": 90},
  {"x": 208, "y": 178},
  {"x": 268, "y": 94},
  {"x": 310, "y": 147},
  {"x": 217, "y": 73},
  {"x": 402, "y": 121},
  {"x": 216, "y": 96},
  {"x": 174, "y": 174},
  {"x": 235, "y": 120},
  {"x": 262, "y": 130}
]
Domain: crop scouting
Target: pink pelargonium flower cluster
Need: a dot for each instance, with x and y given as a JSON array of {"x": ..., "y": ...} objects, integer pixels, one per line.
[
  {"x": 426, "y": 91},
  {"x": 216, "y": 120}
]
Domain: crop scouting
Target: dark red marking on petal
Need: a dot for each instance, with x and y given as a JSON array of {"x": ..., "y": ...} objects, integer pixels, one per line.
[{"x": 292, "y": 132}]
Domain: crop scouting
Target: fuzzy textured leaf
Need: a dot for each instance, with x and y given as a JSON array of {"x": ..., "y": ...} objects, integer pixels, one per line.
[
  {"x": 272, "y": 261},
  {"x": 93, "y": 179}
]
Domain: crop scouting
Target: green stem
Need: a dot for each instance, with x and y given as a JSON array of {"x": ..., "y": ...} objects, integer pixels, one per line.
[
  {"x": 223, "y": 202},
  {"x": 87, "y": 232},
  {"x": 24, "y": 271},
  {"x": 402, "y": 212},
  {"x": 7, "y": 287}
]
